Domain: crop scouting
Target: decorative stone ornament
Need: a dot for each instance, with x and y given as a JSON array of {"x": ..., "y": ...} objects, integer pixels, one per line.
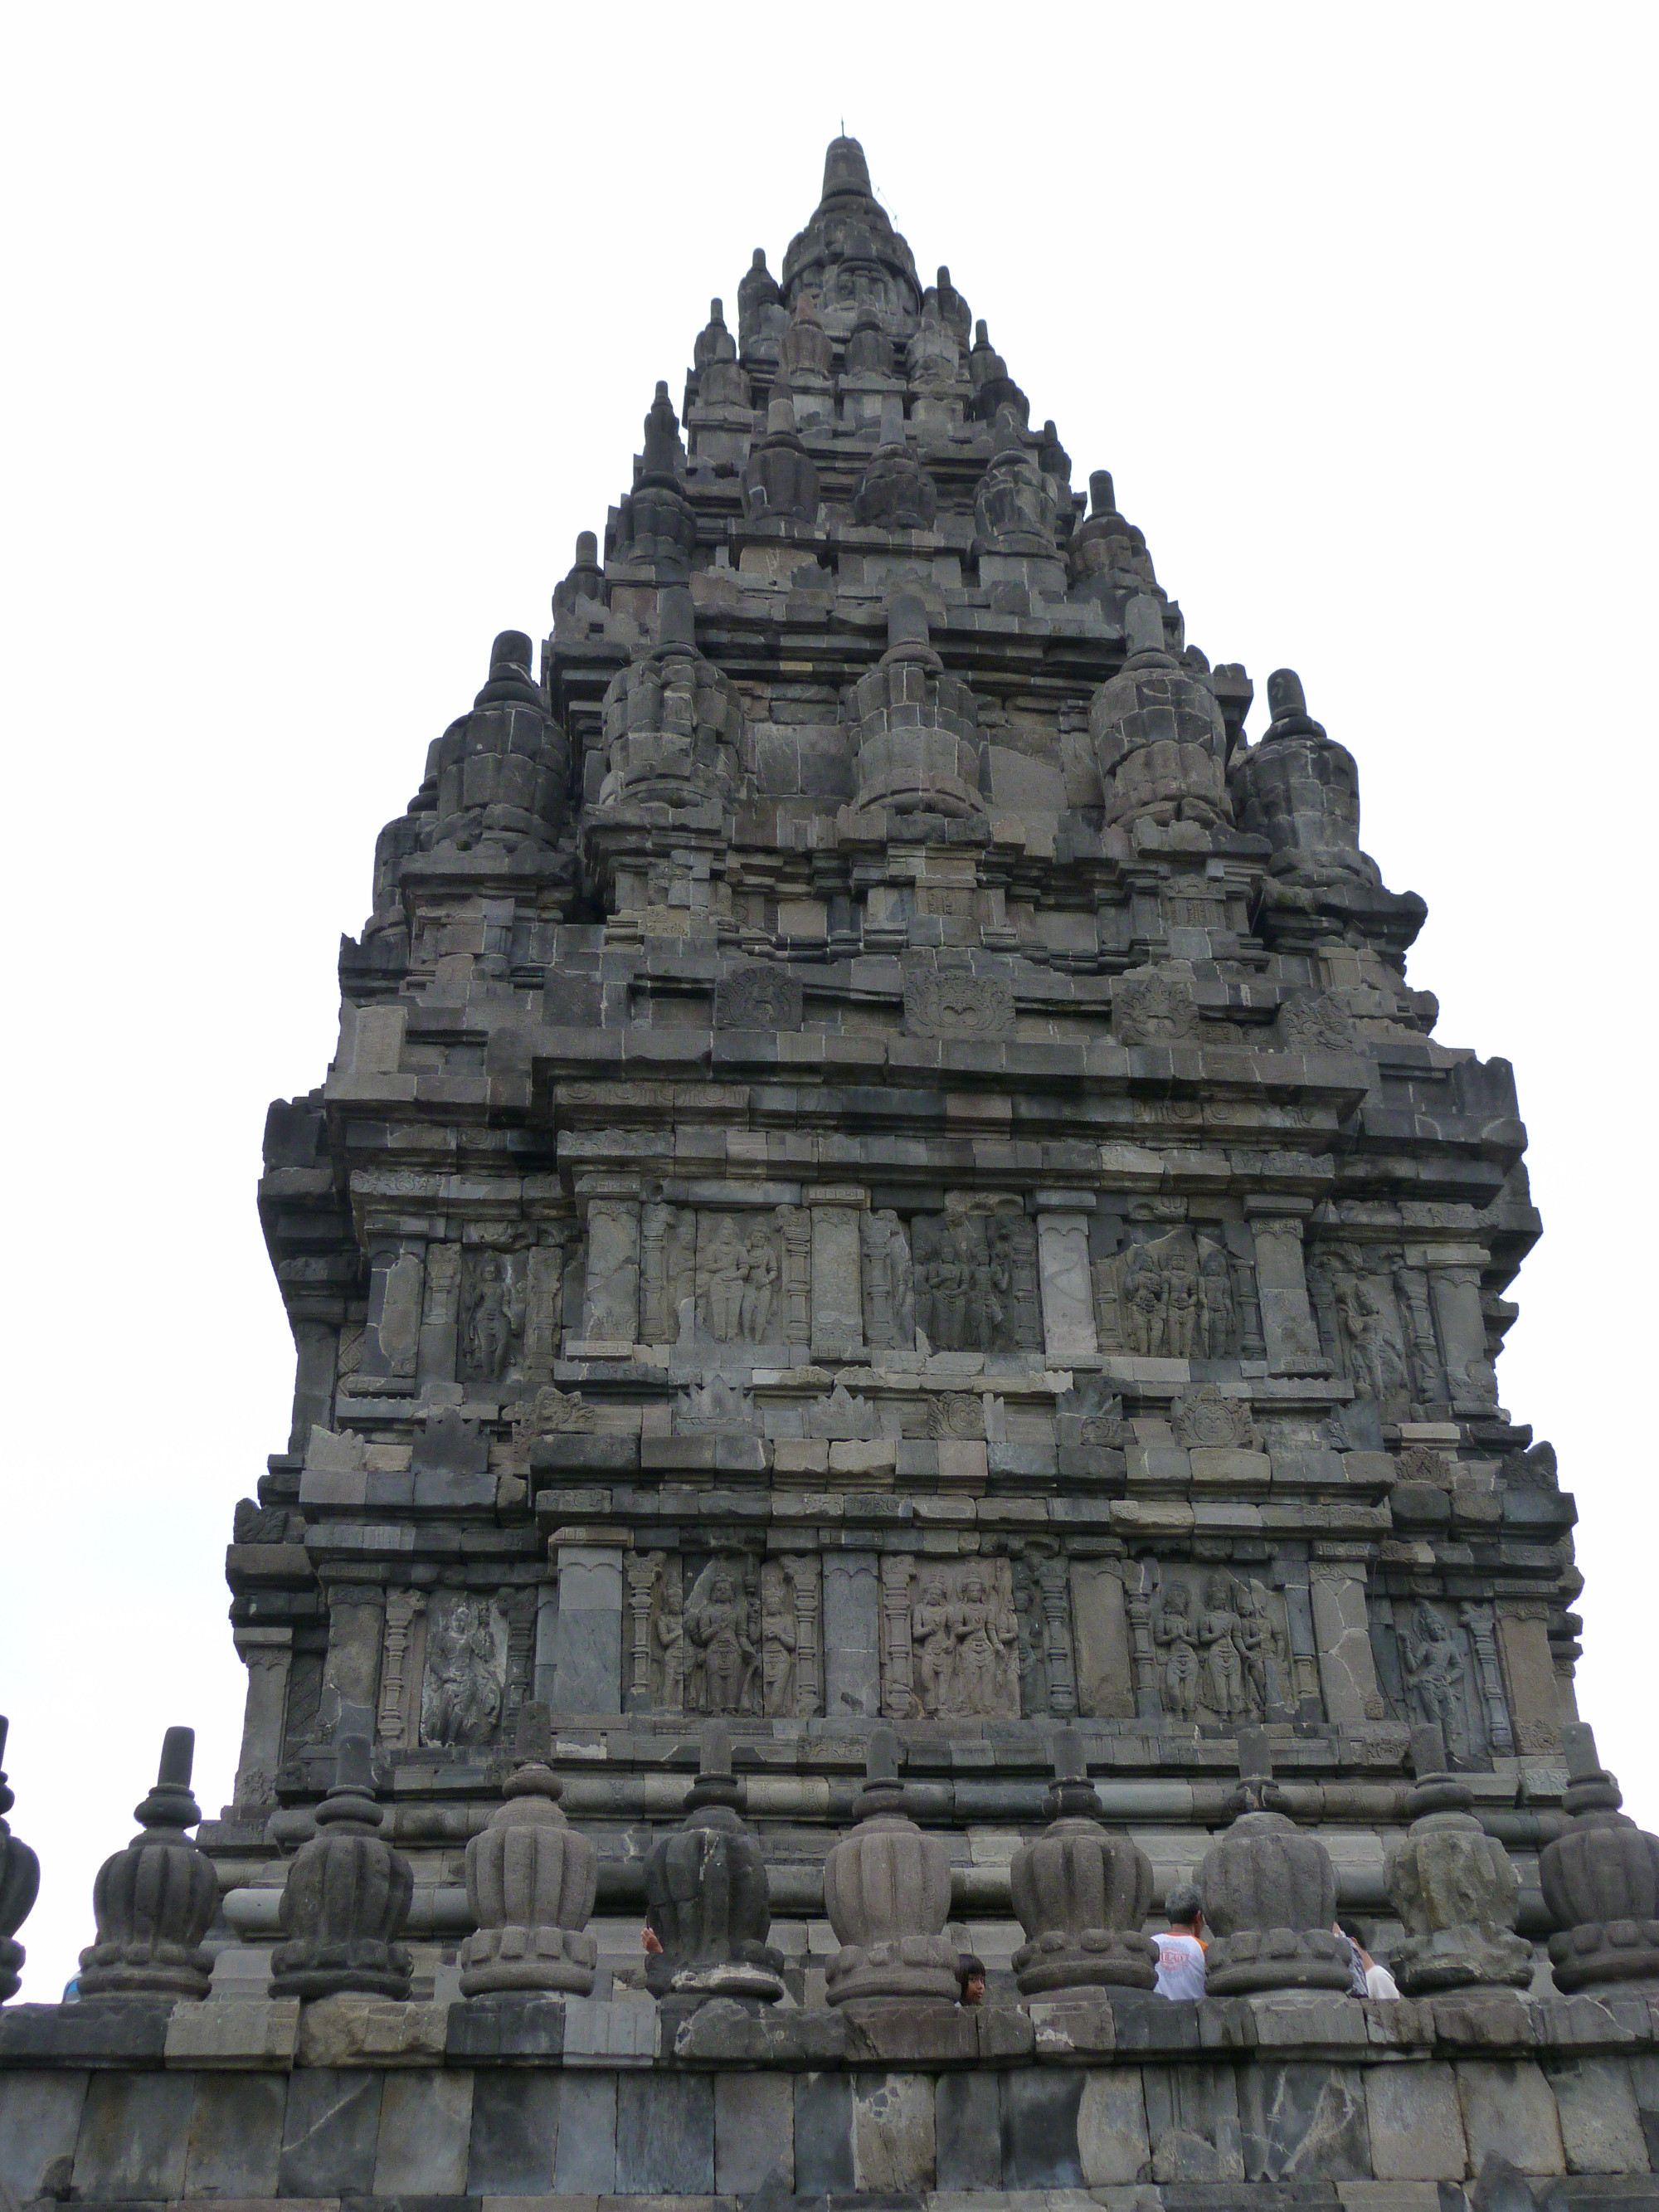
[
  {"x": 1601, "y": 1880},
  {"x": 1269, "y": 1894},
  {"x": 887, "y": 1892},
  {"x": 155, "y": 1900},
  {"x": 346, "y": 1897},
  {"x": 1453, "y": 1887},
  {"x": 1080, "y": 1894},
  {"x": 531, "y": 1882},
  {"x": 706, "y": 1900},
  {"x": 20, "y": 1880}
]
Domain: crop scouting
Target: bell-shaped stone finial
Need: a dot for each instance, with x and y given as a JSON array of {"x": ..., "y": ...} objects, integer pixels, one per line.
[
  {"x": 915, "y": 729},
  {"x": 656, "y": 523},
  {"x": 531, "y": 1882},
  {"x": 895, "y": 492},
  {"x": 1269, "y": 1894},
  {"x": 1453, "y": 1886},
  {"x": 780, "y": 480},
  {"x": 887, "y": 1892},
  {"x": 20, "y": 1884},
  {"x": 1300, "y": 790},
  {"x": 845, "y": 170},
  {"x": 1080, "y": 1894},
  {"x": 663, "y": 456},
  {"x": 1159, "y": 739},
  {"x": 153, "y": 1901},
  {"x": 582, "y": 589},
  {"x": 1107, "y": 558},
  {"x": 762, "y": 316},
  {"x": 1016, "y": 506},
  {"x": 806, "y": 351},
  {"x": 713, "y": 341},
  {"x": 346, "y": 1897},
  {"x": 503, "y": 769},
  {"x": 706, "y": 1897},
  {"x": 672, "y": 721},
  {"x": 1601, "y": 1880}
]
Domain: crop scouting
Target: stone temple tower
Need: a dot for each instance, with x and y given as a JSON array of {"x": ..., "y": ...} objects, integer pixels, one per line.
[{"x": 883, "y": 1170}]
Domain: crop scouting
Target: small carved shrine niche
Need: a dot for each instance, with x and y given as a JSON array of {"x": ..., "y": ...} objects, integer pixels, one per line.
[
  {"x": 1214, "y": 1645},
  {"x": 1375, "y": 1325},
  {"x": 464, "y": 1681},
  {"x": 1437, "y": 1659},
  {"x": 727, "y": 1634},
  {"x": 1042, "y": 1623},
  {"x": 974, "y": 1278},
  {"x": 950, "y": 1639},
  {"x": 1180, "y": 1293}
]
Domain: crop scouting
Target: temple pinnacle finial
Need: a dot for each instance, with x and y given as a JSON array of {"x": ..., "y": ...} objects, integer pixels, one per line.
[{"x": 845, "y": 169}]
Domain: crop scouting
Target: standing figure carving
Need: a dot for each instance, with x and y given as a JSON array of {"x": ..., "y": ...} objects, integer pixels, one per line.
[
  {"x": 981, "y": 1631},
  {"x": 1220, "y": 1633},
  {"x": 719, "y": 1629},
  {"x": 465, "y": 1684},
  {"x": 933, "y": 1645},
  {"x": 1173, "y": 1633},
  {"x": 760, "y": 1280},
  {"x": 1435, "y": 1677},
  {"x": 668, "y": 1634},
  {"x": 780, "y": 1638}
]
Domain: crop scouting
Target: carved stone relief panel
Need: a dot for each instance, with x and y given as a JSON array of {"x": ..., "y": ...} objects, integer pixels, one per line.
[
  {"x": 495, "y": 1301},
  {"x": 464, "y": 1691},
  {"x": 1216, "y": 1646},
  {"x": 950, "y": 1639},
  {"x": 668, "y": 1273},
  {"x": 890, "y": 1304},
  {"x": 976, "y": 1279},
  {"x": 1352, "y": 1291},
  {"x": 1042, "y": 1615},
  {"x": 1183, "y": 1295},
  {"x": 730, "y": 1634},
  {"x": 946, "y": 1005},
  {"x": 1438, "y": 1660},
  {"x": 739, "y": 1278}
]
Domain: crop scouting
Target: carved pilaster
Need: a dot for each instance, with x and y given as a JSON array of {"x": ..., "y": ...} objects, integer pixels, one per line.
[
  {"x": 1489, "y": 1674},
  {"x": 796, "y": 1223},
  {"x": 268, "y": 1654},
  {"x": 440, "y": 1315},
  {"x": 1140, "y": 1588},
  {"x": 803, "y": 1570},
  {"x": 394, "y": 1723},
  {"x": 1053, "y": 1582},
  {"x": 642, "y": 1570},
  {"x": 898, "y": 1692},
  {"x": 543, "y": 1308},
  {"x": 1287, "y": 1323}
]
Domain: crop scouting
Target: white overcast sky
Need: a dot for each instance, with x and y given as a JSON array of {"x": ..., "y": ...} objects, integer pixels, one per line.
[{"x": 330, "y": 326}]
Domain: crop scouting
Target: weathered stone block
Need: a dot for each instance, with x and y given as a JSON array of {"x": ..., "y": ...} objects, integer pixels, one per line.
[
  {"x": 354, "y": 2029},
  {"x": 1508, "y": 2108},
  {"x": 823, "y": 2134},
  {"x": 1416, "y": 2122},
  {"x": 515, "y": 2130},
  {"x": 1191, "y": 2123},
  {"x": 1111, "y": 2127},
  {"x": 426, "y": 2127},
  {"x": 1303, "y": 2123},
  {"x": 1040, "y": 2108},
  {"x": 967, "y": 2130},
  {"x": 234, "y": 2031},
  {"x": 236, "y": 2142},
  {"x": 40, "y": 2120},
  {"x": 893, "y": 2140},
  {"x": 134, "y": 2135},
  {"x": 1600, "y": 2125},
  {"x": 330, "y": 2131},
  {"x": 585, "y": 2157},
  {"x": 754, "y": 2131},
  {"x": 665, "y": 2133}
]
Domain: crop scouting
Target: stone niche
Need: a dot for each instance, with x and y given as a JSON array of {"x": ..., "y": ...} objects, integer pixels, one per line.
[
  {"x": 1181, "y": 1293},
  {"x": 725, "y": 1633},
  {"x": 975, "y": 1279},
  {"x": 1212, "y": 1648},
  {"x": 950, "y": 1639},
  {"x": 1438, "y": 1660}
]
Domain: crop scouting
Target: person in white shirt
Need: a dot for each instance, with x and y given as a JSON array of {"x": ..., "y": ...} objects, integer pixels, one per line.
[
  {"x": 1366, "y": 1978},
  {"x": 1179, "y": 1953}
]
